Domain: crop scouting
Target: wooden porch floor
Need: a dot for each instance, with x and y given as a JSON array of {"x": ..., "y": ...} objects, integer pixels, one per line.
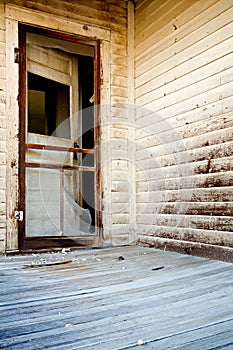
[{"x": 108, "y": 299}]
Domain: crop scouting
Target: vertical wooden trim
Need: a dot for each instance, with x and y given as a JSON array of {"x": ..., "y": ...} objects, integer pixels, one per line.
[
  {"x": 131, "y": 127},
  {"x": 106, "y": 152},
  {"x": 62, "y": 204},
  {"x": 12, "y": 76},
  {"x": 22, "y": 131},
  {"x": 131, "y": 66},
  {"x": 98, "y": 194}
]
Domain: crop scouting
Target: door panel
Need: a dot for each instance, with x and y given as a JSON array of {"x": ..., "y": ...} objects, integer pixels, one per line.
[{"x": 60, "y": 176}]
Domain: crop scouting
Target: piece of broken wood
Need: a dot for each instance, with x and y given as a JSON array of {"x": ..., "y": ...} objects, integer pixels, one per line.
[
  {"x": 51, "y": 263},
  {"x": 157, "y": 268}
]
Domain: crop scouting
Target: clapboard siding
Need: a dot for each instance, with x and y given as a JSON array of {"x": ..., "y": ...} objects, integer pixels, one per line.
[
  {"x": 189, "y": 208},
  {"x": 194, "y": 233},
  {"x": 196, "y": 88},
  {"x": 208, "y": 152},
  {"x": 210, "y": 180},
  {"x": 183, "y": 90},
  {"x": 176, "y": 54},
  {"x": 218, "y": 194},
  {"x": 187, "y": 170},
  {"x": 198, "y": 222},
  {"x": 198, "y": 154},
  {"x": 195, "y": 143},
  {"x": 144, "y": 133},
  {"x": 195, "y": 79},
  {"x": 196, "y": 15}
]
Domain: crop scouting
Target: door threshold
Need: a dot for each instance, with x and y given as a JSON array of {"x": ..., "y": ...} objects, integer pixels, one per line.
[{"x": 51, "y": 243}]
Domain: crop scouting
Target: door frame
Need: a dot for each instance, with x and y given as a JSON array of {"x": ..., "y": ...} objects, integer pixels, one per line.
[{"x": 37, "y": 243}]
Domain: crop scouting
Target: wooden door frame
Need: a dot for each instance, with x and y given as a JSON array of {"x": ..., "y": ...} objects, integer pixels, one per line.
[{"x": 37, "y": 243}]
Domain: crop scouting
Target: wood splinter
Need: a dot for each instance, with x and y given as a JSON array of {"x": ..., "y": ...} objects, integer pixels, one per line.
[{"x": 49, "y": 263}]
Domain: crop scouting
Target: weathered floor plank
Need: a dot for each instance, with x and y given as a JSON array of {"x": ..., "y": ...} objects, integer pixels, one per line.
[{"x": 107, "y": 299}]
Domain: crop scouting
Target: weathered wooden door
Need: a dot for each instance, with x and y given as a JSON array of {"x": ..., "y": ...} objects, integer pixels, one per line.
[{"x": 59, "y": 181}]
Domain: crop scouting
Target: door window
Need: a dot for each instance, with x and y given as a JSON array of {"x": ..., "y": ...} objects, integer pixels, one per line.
[{"x": 48, "y": 107}]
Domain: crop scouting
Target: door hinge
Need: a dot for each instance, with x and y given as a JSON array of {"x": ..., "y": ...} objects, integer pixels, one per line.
[
  {"x": 18, "y": 55},
  {"x": 18, "y": 215}
]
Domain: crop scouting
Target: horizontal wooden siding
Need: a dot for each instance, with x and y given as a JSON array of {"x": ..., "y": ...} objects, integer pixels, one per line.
[{"x": 184, "y": 122}]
